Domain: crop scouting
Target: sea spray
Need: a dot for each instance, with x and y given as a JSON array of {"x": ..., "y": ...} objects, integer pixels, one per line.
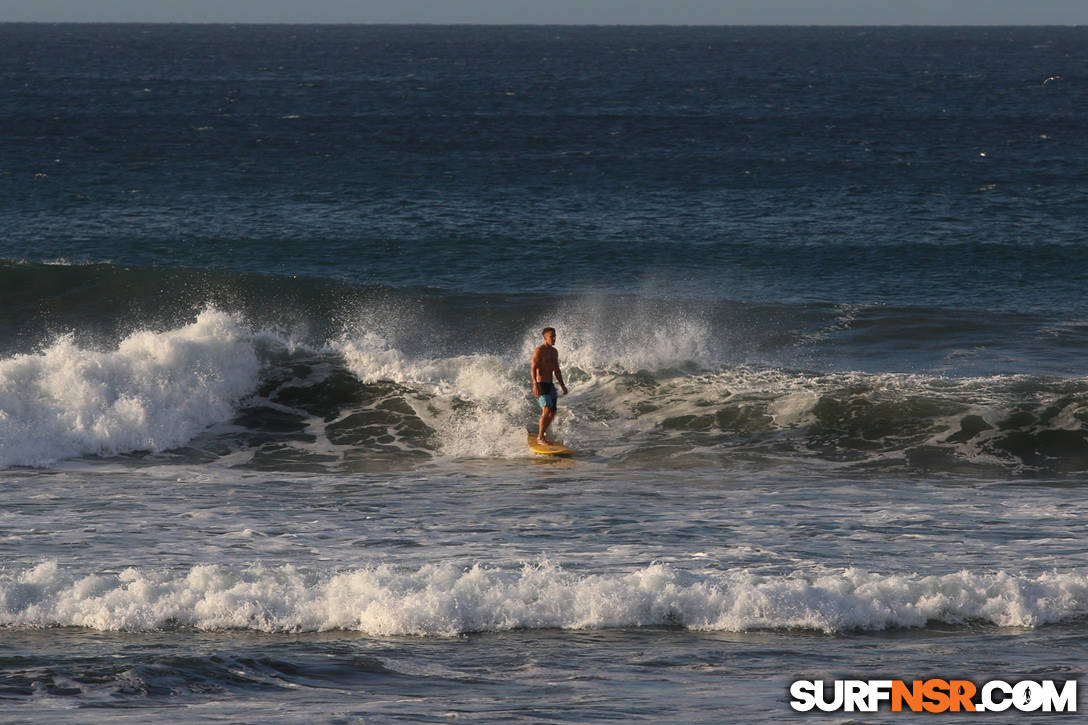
[
  {"x": 627, "y": 335},
  {"x": 155, "y": 391},
  {"x": 479, "y": 403},
  {"x": 475, "y": 403}
]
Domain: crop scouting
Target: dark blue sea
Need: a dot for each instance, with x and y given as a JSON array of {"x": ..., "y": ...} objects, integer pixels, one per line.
[{"x": 267, "y": 300}]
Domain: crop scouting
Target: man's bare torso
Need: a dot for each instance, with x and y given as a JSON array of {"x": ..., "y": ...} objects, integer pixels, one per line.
[{"x": 545, "y": 363}]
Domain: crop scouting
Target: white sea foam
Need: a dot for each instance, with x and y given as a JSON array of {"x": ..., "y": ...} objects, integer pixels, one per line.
[
  {"x": 480, "y": 403},
  {"x": 491, "y": 423},
  {"x": 445, "y": 600},
  {"x": 155, "y": 391},
  {"x": 64, "y": 262}
]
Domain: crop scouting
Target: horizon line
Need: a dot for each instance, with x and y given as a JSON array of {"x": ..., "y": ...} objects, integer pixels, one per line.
[{"x": 542, "y": 25}]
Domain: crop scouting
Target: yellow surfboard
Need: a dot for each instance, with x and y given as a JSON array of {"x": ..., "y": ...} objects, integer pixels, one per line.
[{"x": 548, "y": 450}]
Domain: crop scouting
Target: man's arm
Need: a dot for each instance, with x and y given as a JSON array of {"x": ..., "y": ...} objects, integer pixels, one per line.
[
  {"x": 534, "y": 365},
  {"x": 559, "y": 376}
]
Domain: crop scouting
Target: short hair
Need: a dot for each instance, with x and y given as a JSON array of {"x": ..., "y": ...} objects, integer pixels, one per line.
[{"x": 546, "y": 330}]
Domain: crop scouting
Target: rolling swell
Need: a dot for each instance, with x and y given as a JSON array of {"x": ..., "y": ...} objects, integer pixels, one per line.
[
  {"x": 1014, "y": 424},
  {"x": 325, "y": 414},
  {"x": 101, "y": 303},
  {"x": 305, "y": 374}
]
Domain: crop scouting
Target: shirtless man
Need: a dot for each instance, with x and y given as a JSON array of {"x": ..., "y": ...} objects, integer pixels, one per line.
[{"x": 542, "y": 367}]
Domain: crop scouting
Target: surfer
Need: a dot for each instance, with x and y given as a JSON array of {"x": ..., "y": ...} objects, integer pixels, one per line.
[{"x": 543, "y": 367}]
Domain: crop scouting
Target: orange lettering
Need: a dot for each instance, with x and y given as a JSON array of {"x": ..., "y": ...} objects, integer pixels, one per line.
[
  {"x": 936, "y": 691},
  {"x": 912, "y": 695},
  {"x": 961, "y": 693}
]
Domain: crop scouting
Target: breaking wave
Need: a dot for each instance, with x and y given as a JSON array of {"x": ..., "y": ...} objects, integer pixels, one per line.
[
  {"x": 447, "y": 600},
  {"x": 154, "y": 392},
  {"x": 321, "y": 376}
]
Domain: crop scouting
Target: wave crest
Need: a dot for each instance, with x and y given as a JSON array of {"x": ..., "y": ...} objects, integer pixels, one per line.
[
  {"x": 447, "y": 600},
  {"x": 154, "y": 392}
]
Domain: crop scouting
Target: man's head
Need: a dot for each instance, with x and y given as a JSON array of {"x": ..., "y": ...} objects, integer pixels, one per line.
[{"x": 549, "y": 335}]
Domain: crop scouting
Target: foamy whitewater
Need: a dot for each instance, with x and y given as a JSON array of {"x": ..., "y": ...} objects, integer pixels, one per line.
[
  {"x": 269, "y": 298},
  {"x": 154, "y": 392},
  {"x": 446, "y": 600}
]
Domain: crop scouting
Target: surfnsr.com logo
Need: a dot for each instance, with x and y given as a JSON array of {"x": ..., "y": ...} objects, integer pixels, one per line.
[{"x": 933, "y": 695}]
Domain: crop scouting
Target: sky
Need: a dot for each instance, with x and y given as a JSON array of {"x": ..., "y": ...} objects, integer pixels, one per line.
[{"x": 576, "y": 12}]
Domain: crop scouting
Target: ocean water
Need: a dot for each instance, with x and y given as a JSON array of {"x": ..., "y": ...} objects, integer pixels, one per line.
[{"x": 269, "y": 295}]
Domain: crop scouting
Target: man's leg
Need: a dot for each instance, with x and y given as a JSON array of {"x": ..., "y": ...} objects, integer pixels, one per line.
[{"x": 546, "y": 417}]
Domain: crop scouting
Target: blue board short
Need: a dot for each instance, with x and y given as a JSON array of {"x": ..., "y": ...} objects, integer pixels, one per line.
[{"x": 549, "y": 397}]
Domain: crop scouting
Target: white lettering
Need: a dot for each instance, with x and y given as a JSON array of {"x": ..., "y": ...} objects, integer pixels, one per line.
[
  {"x": 804, "y": 695},
  {"x": 1027, "y": 696},
  {"x": 988, "y": 701},
  {"x": 854, "y": 695},
  {"x": 836, "y": 703},
  {"x": 879, "y": 690},
  {"x": 1065, "y": 701}
]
